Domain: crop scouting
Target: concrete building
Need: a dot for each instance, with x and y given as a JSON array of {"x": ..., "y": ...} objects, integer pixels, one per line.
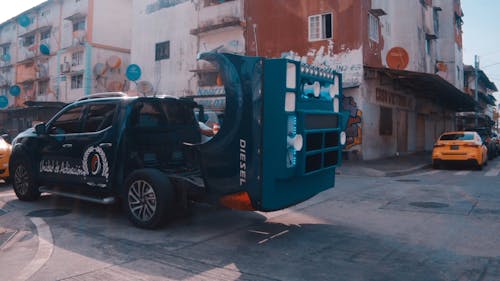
[
  {"x": 401, "y": 60},
  {"x": 62, "y": 50}
]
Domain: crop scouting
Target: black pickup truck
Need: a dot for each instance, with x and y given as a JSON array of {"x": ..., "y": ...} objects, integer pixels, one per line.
[{"x": 280, "y": 143}]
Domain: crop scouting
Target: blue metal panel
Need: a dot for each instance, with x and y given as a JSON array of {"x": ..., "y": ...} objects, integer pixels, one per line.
[{"x": 255, "y": 149}]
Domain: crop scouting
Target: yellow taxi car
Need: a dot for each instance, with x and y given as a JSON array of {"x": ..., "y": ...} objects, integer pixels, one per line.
[
  {"x": 464, "y": 146},
  {"x": 5, "y": 150}
]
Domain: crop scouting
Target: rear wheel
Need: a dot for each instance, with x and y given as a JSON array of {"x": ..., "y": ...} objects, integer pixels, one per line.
[
  {"x": 435, "y": 164},
  {"x": 149, "y": 198},
  {"x": 23, "y": 181}
]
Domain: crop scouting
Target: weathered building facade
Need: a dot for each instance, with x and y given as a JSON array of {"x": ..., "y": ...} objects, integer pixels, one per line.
[
  {"x": 401, "y": 60},
  {"x": 60, "y": 51}
]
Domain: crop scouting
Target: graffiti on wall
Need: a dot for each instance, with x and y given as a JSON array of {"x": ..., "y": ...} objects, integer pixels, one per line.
[
  {"x": 349, "y": 63},
  {"x": 108, "y": 75},
  {"x": 353, "y": 131}
]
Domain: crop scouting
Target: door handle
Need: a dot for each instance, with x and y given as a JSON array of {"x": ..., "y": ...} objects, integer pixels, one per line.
[
  {"x": 105, "y": 145},
  {"x": 67, "y": 145}
]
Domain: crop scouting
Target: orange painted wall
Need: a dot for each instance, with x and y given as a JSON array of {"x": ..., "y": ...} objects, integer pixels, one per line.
[{"x": 282, "y": 25}]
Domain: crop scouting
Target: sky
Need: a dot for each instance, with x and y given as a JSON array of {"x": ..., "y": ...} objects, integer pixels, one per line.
[
  {"x": 481, "y": 31},
  {"x": 481, "y": 36}
]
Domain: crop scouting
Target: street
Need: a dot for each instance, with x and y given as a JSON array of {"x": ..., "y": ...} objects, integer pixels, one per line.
[{"x": 429, "y": 225}]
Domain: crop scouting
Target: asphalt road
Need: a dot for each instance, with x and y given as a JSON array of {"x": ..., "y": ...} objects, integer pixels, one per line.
[{"x": 430, "y": 225}]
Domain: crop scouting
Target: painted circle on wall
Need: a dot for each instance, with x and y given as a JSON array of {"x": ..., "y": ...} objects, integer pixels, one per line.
[
  {"x": 397, "y": 58},
  {"x": 133, "y": 72},
  {"x": 4, "y": 101},
  {"x": 15, "y": 90}
]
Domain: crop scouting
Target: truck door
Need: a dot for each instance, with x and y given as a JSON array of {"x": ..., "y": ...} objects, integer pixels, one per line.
[{"x": 79, "y": 146}]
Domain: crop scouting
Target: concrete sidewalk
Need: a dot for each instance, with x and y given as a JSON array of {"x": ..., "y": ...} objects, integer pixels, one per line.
[{"x": 387, "y": 167}]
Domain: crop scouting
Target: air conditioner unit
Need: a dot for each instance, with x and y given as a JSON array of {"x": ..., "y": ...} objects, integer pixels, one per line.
[{"x": 65, "y": 67}]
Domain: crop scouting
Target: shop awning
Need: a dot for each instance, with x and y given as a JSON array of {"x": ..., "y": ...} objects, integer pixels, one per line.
[{"x": 431, "y": 86}]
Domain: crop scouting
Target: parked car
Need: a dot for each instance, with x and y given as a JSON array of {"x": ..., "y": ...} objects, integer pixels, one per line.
[
  {"x": 5, "y": 150},
  {"x": 486, "y": 136},
  {"x": 496, "y": 140},
  {"x": 462, "y": 146}
]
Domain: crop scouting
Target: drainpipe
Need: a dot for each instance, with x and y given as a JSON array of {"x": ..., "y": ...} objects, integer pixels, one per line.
[
  {"x": 58, "y": 77},
  {"x": 476, "y": 66},
  {"x": 87, "y": 75}
]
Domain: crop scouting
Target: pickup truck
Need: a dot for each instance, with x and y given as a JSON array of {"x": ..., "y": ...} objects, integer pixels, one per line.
[{"x": 280, "y": 143}]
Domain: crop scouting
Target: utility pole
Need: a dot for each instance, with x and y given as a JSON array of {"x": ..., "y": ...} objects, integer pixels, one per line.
[{"x": 476, "y": 67}]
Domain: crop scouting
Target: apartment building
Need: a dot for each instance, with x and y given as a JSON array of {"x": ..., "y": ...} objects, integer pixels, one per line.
[
  {"x": 60, "y": 51},
  {"x": 403, "y": 75}
]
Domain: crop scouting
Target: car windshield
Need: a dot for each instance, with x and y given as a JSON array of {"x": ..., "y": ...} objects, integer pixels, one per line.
[{"x": 458, "y": 136}]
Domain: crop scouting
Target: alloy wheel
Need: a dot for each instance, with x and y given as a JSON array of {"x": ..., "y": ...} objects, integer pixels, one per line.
[
  {"x": 142, "y": 200},
  {"x": 21, "y": 179}
]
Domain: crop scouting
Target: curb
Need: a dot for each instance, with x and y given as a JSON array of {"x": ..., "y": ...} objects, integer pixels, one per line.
[
  {"x": 364, "y": 171},
  {"x": 407, "y": 171}
]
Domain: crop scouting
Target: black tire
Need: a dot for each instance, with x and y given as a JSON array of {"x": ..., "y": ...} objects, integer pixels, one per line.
[
  {"x": 436, "y": 165},
  {"x": 479, "y": 166},
  {"x": 23, "y": 180},
  {"x": 148, "y": 198}
]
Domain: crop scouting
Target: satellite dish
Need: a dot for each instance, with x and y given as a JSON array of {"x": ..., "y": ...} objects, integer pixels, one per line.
[
  {"x": 4, "y": 101},
  {"x": 24, "y": 20},
  {"x": 15, "y": 90},
  {"x": 114, "y": 62},
  {"x": 6, "y": 57},
  {"x": 45, "y": 49},
  {"x": 145, "y": 87},
  {"x": 133, "y": 72}
]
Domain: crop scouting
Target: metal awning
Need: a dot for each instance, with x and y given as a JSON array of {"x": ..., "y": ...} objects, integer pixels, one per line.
[{"x": 431, "y": 86}]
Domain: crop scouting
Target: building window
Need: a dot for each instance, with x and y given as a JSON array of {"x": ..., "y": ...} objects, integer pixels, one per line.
[
  {"x": 162, "y": 51},
  {"x": 373, "y": 24},
  {"x": 45, "y": 13},
  {"x": 45, "y": 35},
  {"x": 436, "y": 21},
  {"x": 320, "y": 27},
  {"x": 77, "y": 81},
  {"x": 79, "y": 25},
  {"x": 77, "y": 58},
  {"x": 5, "y": 49},
  {"x": 385, "y": 124},
  {"x": 29, "y": 40},
  {"x": 43, "y": 88},
  {"x": 428, "y": 46}
]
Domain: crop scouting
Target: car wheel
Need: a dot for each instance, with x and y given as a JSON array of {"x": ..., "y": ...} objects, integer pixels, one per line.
[
  {"x": 23, "y": 181},
  {"x": 148, "y": 198},
  {"x": 435, "y": 164}
]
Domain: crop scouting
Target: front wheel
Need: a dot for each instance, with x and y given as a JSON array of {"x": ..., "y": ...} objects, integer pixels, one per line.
[
  {"x": 23, "y": 181},
  {"x": 149, "y": 198}
]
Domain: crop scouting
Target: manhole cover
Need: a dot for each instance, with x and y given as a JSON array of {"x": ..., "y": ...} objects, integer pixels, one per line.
[
  {"x": 433, "y": 205},
  {"x": 408, "y": 180},
  {"x": 47, "y": 213}
]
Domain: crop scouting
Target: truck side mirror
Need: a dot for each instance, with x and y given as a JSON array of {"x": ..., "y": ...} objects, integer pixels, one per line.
[{"x": 40, "y": 129}]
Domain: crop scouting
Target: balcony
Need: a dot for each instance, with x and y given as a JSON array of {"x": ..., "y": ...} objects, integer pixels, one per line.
[{"x": 219, "y": 14}]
